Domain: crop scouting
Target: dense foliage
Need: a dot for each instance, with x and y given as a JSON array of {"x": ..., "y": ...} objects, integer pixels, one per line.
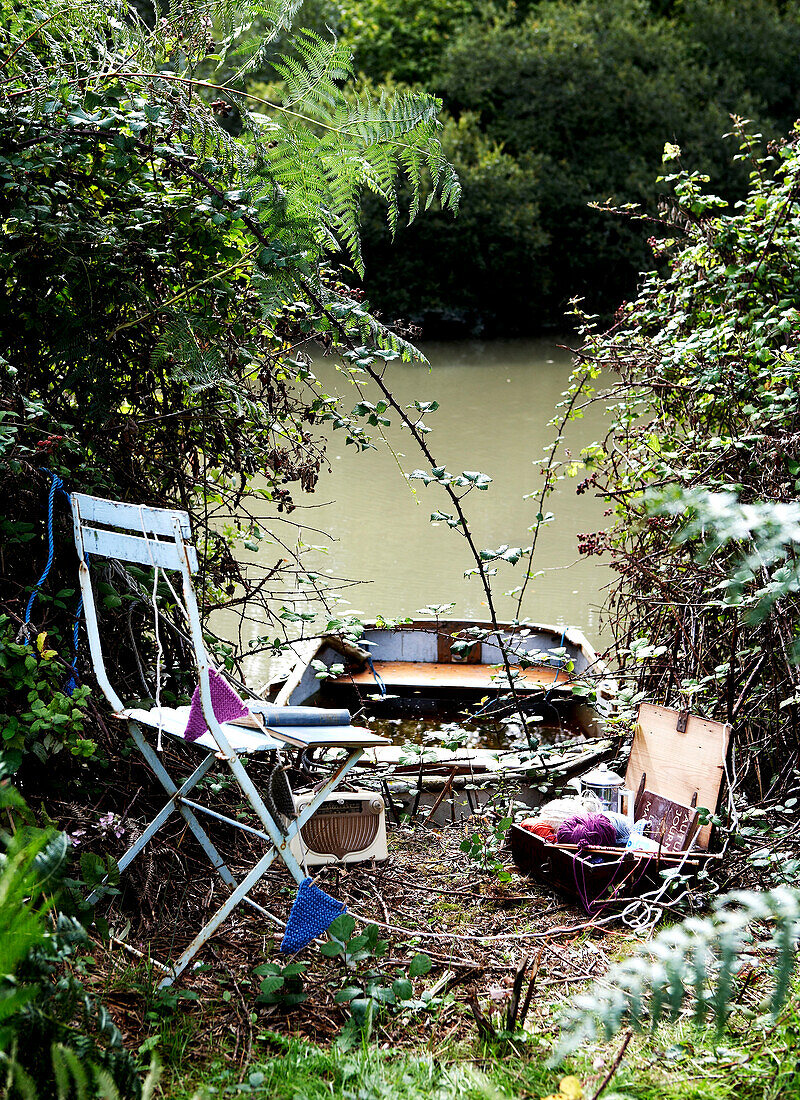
[
  {"x": 698, "y": 961},
  {"x": 160, "y": 278},
  {"x": 706, "y": 361},
  {"x": 557, "y": 105},
  {"x": 55, "y": 1039}
]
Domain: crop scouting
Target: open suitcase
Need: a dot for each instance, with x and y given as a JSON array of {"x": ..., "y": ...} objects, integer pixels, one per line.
[{"x": 680, "y": 757}]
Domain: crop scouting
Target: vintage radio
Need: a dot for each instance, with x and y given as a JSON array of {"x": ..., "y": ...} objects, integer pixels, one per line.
[
  {"x": 349, "y": 827},
  {"x": 681, "y": 758}
]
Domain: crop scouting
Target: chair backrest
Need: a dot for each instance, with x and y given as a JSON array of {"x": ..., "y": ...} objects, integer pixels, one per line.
[
  {"x": 103, "y": 528},
  {"x": 160, "y": 539}
]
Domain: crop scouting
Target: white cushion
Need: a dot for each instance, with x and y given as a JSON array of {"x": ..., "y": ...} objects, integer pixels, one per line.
[{"x": 173, "y": 721}]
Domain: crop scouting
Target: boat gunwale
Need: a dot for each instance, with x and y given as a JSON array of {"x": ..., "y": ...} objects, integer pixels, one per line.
[{"x": 573, "y": 635}]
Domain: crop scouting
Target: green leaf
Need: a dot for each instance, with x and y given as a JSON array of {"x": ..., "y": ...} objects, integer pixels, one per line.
[
  {"x": 342, "y": 927},
  {"x": 402, "y": 989},
  {"x": 420, "y": 964}
]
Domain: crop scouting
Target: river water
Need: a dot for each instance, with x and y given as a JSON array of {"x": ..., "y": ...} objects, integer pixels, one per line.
[{"x": 495, "y": 402}]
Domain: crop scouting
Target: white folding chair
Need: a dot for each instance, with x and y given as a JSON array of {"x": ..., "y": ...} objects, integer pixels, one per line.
[{"x": 158, "y": 538}]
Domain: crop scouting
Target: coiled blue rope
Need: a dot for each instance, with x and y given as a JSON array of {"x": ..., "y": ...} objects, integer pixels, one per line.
[{"x": 56, "y": 485}]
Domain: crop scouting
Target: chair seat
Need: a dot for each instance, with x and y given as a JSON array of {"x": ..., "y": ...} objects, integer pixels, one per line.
[
  {"x": 244, "y": 739},
  {"x": 173, "y": 721}
]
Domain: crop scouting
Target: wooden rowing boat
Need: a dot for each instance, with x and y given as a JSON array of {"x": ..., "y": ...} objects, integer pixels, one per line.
[
  {"x": 426, "y": 667},
  {"x": 449, "y": 668}
]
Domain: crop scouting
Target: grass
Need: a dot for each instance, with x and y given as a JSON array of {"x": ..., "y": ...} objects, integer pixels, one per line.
[
  {"x": 756, "y": 1059},
  {"x": 223, "y": 1044},
  {"x": 304, "y": 1072}
]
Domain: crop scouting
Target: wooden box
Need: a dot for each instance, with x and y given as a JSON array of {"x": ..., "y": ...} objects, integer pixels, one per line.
[{"x": 680, "y": 756}]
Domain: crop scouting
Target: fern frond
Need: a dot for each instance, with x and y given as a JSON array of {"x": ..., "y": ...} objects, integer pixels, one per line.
[
  {"x": 311, "y": 78},
  {"x": 363, "y": 329},
  {"x": 191, "y": 357},
  {"x": 69, "y": 1073},
  {"x": 698, "y": 959}
]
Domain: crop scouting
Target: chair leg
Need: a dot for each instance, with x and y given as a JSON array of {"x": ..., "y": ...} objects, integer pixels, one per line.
[
  {"x": 163, "y": 776},
  {"x": 327, "y": 788},
  {"x": 280, "y": 849},
  {"x": 279, "y": 839},
  {"x": 208, "y": 930},
  {"x": 156, "y": 824},
  {"x": 276, "y": 836}
]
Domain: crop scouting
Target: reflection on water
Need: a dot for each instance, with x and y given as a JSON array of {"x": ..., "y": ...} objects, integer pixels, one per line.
[{"x": 495, "y": 403}]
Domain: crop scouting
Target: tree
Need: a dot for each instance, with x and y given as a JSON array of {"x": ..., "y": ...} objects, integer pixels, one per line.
[
  {"x": 700, "y": 467},
  {"x": 161, "y": 277},
  {"x": 581, "y": 97},
  {"x": 706, "y": 367}
]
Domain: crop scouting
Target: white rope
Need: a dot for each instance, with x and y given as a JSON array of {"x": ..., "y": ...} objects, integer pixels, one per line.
[
  {"x": 176, "y": 597},
  {"x": 159, "y": 654},
  {"x": 159, "y": 649}
]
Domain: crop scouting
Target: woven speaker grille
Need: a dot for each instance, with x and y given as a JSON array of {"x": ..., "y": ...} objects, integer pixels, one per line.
[{"x": 347, "y": 830}]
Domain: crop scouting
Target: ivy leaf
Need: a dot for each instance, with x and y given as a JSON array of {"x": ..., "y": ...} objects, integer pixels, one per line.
[{"x": 271, "y": 983}]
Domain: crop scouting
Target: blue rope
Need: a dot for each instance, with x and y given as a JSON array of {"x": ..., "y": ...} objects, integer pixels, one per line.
[
  {"x": 378, "y": 680},
  {"x": 72, "y": 680},
  {"x": 56, "y": 485},
  {"x": 549, "y": 691}
]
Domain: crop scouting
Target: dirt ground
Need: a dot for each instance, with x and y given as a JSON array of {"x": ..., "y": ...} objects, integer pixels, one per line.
[{"x": 428, "y": 897}]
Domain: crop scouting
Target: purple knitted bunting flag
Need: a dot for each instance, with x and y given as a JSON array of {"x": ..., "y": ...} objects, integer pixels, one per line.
[{"x": 226, "y": 704}]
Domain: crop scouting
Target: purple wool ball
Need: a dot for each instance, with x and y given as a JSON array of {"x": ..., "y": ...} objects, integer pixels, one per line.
[{"x": 586, "y": 830}]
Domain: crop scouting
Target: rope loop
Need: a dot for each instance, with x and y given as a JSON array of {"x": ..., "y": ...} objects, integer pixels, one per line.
[
  {"x": 378, "y": 680},
  {"x": 26, "y": 631},
  {"x": 55, "y": 484}
]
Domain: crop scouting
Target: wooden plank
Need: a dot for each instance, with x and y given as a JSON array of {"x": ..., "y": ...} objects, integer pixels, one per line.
[
  {"x": 679, "y": 765},
  {"x": 132, "y": 517},
  {"x": 113, "y": 544},
  {"x": 445, "y": 641},
  {"x": 412, "y": 674}
]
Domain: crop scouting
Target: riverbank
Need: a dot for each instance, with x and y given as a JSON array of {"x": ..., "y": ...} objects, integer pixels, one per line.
[{"x": 214, "y": 1038}]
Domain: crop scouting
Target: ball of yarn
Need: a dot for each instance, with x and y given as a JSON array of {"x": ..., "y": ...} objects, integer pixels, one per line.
[
  {"x": 621, "y": 826},
  {"x": 588, "y": 829},
  {"x": 540, "y": 828}
]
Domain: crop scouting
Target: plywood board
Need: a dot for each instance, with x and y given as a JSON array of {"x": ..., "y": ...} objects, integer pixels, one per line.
[
  {"x": 445, "y": 641},
  {"x": 678, "y": 765},
  {"x": 414, "y": 674}
]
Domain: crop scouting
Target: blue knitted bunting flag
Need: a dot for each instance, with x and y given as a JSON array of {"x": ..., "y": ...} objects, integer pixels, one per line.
[{"x": 311, "y": 915}]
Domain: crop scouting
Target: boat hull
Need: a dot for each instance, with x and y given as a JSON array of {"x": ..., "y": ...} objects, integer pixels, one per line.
[{"x": 415, "y": 670}]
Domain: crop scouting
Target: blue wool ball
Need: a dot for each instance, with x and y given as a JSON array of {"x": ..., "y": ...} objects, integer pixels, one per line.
[{"x": 621, "y": 826}]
